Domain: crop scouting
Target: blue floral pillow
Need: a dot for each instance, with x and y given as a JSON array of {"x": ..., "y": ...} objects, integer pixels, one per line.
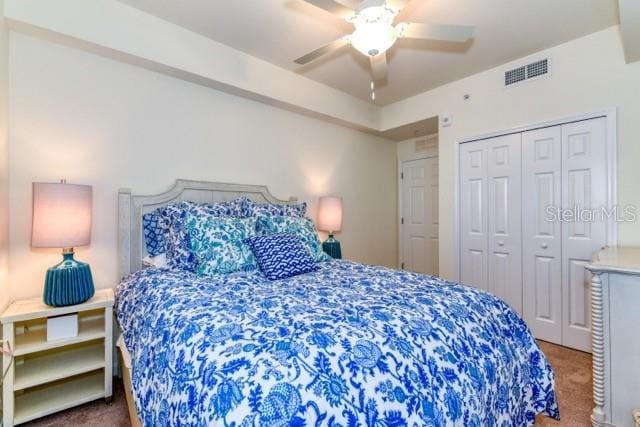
[
  {"x": 219, "y": 243},
  {"x": 153, "y": 233},
  {"x": 281, "y": 255},
  {"x": 251, "y": 208},
  {"x": 173, "y": 221},
  {"x": 303, "y": 228}
]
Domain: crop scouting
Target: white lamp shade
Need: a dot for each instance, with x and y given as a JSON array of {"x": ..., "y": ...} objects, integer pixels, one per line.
[
  {"x": 61, "y": 215},
  {"x": 330, "y": 214}
]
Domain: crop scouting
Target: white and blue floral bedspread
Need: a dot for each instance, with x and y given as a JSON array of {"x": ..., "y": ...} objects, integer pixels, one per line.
[{"x": 348, "y": 345}]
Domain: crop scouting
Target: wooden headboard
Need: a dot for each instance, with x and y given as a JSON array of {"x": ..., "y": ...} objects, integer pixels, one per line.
[{"x": 131, "y": 247}]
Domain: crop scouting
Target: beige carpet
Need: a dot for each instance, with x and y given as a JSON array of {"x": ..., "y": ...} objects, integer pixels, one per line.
[{"x": 573, "y": 384}]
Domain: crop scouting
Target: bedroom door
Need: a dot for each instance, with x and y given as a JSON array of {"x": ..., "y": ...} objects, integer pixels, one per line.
[{"x": 419, "y": 215}]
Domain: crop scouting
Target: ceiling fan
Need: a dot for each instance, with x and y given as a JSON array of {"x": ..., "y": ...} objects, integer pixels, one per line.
[{"x": 375, "y": 32}]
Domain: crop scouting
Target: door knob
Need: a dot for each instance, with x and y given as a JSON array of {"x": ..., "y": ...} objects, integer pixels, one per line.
[
  {"x": 500, "y": 243},
  {"x": 544, "y": 246}
]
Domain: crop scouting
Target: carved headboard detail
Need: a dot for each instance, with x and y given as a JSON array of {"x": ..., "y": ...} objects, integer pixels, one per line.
[{"x": 131, "y": 247}]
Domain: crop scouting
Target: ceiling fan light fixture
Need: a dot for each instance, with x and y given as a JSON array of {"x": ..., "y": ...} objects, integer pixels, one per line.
[
  {"x": 401, "y": 28},
  {"x": 374, "y": 32}
]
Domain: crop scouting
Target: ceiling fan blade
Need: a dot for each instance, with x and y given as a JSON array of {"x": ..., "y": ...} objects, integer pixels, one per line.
[
  {"x": 450, "y": 33},
  {"x": 379, "y": 66},
  {"x": 351, "y": 4},
  {"x": 311, "y": 56},
  {"x": 333, "y": 7},
  {"x": 397, "y": 5}
]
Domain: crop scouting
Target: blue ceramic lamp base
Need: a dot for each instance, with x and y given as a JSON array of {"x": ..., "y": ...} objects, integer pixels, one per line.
[
  {"x": 69, "y": 282},
  {"x": 332, "y": 247}
]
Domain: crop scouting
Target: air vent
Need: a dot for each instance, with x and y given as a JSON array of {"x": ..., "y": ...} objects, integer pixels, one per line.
[
  {"x": 427, "y": 143},
  {"x": 527, "y": 72},
  {"x": 514, "y": 76},
  {"x": 538, "y": 68},
  {"x": 420, "y": 144}
]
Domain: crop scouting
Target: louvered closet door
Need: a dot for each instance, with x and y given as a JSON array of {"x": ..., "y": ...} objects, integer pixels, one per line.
[
  {"x": 541, "y": 237},
  {"x": 504, "y": 219},
  {"x": 584, "y": 184},
  {"x": 473, "y": 214}
]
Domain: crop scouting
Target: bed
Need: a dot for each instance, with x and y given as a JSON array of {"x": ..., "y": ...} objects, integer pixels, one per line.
[{"x": 346, "y": 345}]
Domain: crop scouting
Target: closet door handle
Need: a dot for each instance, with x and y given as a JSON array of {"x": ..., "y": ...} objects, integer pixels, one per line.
[
  {"x": 500, "y": 243},
  {"x": 544, "y": 246}
]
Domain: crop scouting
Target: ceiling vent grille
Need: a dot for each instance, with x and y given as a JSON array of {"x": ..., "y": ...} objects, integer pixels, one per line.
[
  {"x": 527, "y": 72},
  {"x": 516, "y": 75},
  {"x": 538, "y": 68}
]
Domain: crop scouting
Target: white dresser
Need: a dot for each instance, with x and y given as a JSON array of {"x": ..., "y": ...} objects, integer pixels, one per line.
[{"x": 615, "y": 312}]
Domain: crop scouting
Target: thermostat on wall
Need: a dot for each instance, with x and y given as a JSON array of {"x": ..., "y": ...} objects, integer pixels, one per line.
[{"x": 446, "y": 120}]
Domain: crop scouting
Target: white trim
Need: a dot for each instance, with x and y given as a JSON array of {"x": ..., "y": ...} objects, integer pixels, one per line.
[
  {"x": 612, "y": 172},
  {"x": 399, "y": 217},
  {"x": 401, "y": 159},
  {"x": 456, "y": 215},
  {"x": 543, "y": 124},
  {"x": 612, "y": 169}
]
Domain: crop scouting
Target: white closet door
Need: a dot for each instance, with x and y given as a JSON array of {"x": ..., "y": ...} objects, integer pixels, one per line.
[
  {"x": 473, "y": 214},
  {"x": 584, "y": 183},
  {"x": 504, "y": 219},
  {"x": 419, "y": 252},
  {"x": 542, "y": 238}
]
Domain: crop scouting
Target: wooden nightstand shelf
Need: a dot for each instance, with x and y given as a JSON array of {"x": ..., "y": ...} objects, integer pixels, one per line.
[{"x": 49, "y": 376}]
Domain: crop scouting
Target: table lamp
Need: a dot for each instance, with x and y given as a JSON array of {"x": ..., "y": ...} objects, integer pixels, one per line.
[
  {"x": 62, "y": 219},
  {"x": 330, "y": 220}
]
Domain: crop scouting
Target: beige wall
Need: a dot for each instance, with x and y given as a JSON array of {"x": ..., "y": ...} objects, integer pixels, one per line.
[
  {"x": 101, "y": 122},
  {"x": 144, "y": 39},
  {"x": 4, "y": 165},
  {"x": 120, "y": 125},
  {"x": 588, "y": 74}
]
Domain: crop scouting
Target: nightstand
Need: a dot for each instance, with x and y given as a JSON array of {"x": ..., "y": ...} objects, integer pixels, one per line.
[{"x": 49, "y": 376}]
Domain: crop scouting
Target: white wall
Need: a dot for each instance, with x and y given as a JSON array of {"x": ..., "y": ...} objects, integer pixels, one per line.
[
  {"x": 119, "y": 31},
  {"x": 4, "y": 164},
  {"x": 101, "y": 122},
  {"x": 589, "y": 74}
]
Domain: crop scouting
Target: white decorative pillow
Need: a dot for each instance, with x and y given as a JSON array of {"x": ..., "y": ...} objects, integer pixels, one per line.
[{"x": 158, "y": 261}]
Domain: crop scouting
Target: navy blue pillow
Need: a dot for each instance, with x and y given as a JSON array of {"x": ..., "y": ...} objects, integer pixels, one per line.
[
  {"x": 281, "y": 255},
  {"x": 153, "y": 233}
]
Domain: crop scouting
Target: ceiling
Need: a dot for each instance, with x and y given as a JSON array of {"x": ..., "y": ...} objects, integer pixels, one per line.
[
  {"x": 280, "y": 31},
  {"x": 413, "y": 130}
]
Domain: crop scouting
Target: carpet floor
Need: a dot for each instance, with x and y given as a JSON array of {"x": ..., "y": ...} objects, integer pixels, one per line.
[{"x": 573, "y": 385}]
